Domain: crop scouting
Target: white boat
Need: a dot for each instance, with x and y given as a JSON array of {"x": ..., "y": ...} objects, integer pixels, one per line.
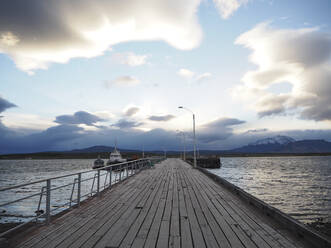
[{"x": 115, "y": 157}]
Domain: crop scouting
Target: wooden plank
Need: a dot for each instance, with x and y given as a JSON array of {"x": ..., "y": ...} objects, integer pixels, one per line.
[
  {"x": 141, "y": 237},
  {"x": 250, "y": 233},
  {"x": 72, "y": 216},
  {"x": 101, "y": 236},
  {"x": 102, "y": 220},
  {"x": 197, "y": 236},
  {"x": 163, "y": 237},
  {"x": 171, "y": 205},
  {"x": 114, "y": 237},
  {"x": 256, "y": 232},
  {"x": 186, "y": 238},
  {"x": 215, "y": 228},
  {"x": 226, "y": 228},
  {"x": 152, "y": 236},
  {"x": 206, "y": 226},
  {"x": 135, "y": 226},
  {"x": 174, "y": 239},
  {"x": 80, "y": 219}
]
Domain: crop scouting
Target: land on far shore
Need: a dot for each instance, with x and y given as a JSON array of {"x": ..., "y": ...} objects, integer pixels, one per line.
[
  {"x": 275, "y": 146},
  {"x": 137, "y": 155}
]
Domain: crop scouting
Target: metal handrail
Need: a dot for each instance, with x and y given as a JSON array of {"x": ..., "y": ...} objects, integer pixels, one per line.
[
  {"x": 68, "y": 175},
  {"x": 122, "y": 169}
]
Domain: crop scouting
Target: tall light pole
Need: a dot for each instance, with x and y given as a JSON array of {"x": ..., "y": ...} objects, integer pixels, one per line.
[
  {"x": 184, "y": 144},
  {"x": 194, "y": 138}
]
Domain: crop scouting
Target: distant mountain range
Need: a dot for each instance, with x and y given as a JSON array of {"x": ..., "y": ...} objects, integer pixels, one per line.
[
  {"x": 94, "y": 149},
  {"x": 284, "y": 144},
  {"x": 277, "y": 144},
  {"x": 278, "y": 140}
]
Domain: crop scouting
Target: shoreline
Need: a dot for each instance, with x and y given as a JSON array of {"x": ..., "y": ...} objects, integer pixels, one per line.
[{"x": 105, "y": 155}]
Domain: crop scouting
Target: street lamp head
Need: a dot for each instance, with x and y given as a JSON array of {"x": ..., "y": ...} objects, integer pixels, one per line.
[{"x": 180, "y": 107}]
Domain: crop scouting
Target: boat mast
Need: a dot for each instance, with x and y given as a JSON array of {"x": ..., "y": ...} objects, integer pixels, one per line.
[{"x": 115, "y": 148}]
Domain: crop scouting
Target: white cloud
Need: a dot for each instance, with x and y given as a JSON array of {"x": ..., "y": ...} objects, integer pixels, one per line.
[
  {"x": 186, "y": 73},
  {"x": 131, "y": 111},
  {"x": 130, "y": 59},
  {"x": 123, "y": 81},
  {"x": 27, "y": 121},
  {"x": 203, "y": 76},
  {"x": 300, "y": 57},
  {"x": 104, "y": 114},
  {"x": 227, "y": 7},
  {"x": 57, "y": 31},
  {"x": 161, "y": 117},
  {"x": 8, "y": 39},
  {"x": 189, "y": 75}
]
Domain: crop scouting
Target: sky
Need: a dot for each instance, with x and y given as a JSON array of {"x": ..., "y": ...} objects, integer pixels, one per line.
[{"x": 75, "y": 74}]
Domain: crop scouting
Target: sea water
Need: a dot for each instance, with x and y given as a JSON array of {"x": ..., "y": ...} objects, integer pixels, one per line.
[{"x": 298, "y": 186}]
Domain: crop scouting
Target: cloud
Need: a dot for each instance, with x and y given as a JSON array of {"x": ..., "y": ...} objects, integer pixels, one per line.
[
  {"x": 218, "y": 134},
  {"x": 217, "y": 130},
  {"x": 57, "y": 31},
  {"x": 300, "y": 57},
  {"x": 227, "y": 7},
  {"x": 186, "y": 73},
  {"x": 8, "y": 39},
  {"x": 123, "y": 81},
  {"x": 130, "y": 59},
  {"x": 80, "y": 117},
  {"x": 131, "y": 111},
  {"x": 127, "y": 124},
  {"x": 57, "y": 134},
  {"x": 161, "y": 117},
  {"x": 257, "y": 130},
  {"x": 4, "y": 104},
  {"x": 203, "y": 76}
]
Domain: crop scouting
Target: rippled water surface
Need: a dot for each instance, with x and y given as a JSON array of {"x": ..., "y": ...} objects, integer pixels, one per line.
[
  {"x": 299, "y": 186},
  {"x": 15, "y": 172}
]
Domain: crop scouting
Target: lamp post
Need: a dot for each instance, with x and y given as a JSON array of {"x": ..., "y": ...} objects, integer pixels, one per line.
[
  {"x": 194, "y": 138},
  {"x": 184, "y": 144}
]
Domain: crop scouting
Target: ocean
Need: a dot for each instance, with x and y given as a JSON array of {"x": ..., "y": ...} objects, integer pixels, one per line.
[
  {"x": 15, "y": 172},
  {"x": 299, "y": 186}
]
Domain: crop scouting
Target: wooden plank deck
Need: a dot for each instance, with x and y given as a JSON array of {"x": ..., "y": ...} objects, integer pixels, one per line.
[{"x": 171, "y": 205}]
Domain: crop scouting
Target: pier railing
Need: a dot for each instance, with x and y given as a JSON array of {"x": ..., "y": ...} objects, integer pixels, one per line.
[{"x": 49, "y": 193}]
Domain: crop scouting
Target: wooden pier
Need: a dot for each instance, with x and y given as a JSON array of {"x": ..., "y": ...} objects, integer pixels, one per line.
[{"x": 170, "y": 205}]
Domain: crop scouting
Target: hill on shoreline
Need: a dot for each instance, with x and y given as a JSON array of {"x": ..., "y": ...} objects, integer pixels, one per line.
[{"x": 274, "y": 146}]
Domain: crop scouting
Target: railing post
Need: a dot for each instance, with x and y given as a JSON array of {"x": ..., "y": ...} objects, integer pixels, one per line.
[
  {"x": 120, "y": 172},
  {"x": 127, "y": 170},
  {"x": 98, "y": 183},
  {"x": 110, "y": 170},
  {"x": 78, "y": 189},
  {"x": 48, "y": 202}
]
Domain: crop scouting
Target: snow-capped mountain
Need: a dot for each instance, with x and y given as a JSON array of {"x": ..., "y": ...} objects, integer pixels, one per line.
[{"x": 277, "y": 140}]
